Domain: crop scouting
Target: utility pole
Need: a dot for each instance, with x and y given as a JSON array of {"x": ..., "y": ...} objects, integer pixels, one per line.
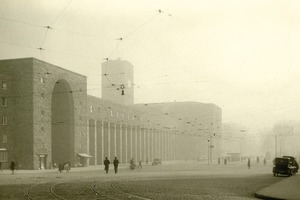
[{"x": 276, "y": 145}]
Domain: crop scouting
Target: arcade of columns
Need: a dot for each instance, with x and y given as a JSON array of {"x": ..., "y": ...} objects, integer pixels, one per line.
[{"x": 127, "y": 141}]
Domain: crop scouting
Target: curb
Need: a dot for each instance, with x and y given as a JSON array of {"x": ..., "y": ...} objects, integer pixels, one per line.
[{"x": 261, "y": 196}]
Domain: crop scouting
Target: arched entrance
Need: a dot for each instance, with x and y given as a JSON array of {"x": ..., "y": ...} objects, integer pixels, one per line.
[{"x": 62, "y": 122}]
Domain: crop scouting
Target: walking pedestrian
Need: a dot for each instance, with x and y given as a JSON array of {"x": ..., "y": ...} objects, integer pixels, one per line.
[
  {"x": 106, "y": 164},
  {"x": 1, "y": 166},
  {"x": 60, "y": 167},
  {"x": 265, "y": 161},
  {"x": 116, "y": 163},
  {"x": 68, "y": 166},
  {"x": 248, "y": 163},
  {"x": 140, "y": 164},
  {"x": 12, "y": 167}
]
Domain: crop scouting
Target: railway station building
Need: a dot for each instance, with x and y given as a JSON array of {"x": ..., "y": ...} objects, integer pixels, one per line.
[{"x": 47, "y": 117}]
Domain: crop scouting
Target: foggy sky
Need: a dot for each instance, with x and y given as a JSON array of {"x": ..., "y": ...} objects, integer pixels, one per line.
[{"x": 240, "y": 55}]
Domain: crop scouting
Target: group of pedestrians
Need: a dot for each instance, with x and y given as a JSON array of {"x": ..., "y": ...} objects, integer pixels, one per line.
[{"x": 107, "y": 162}]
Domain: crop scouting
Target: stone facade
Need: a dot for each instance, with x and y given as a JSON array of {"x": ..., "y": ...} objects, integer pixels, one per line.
[{"x": 51, "y": 119}]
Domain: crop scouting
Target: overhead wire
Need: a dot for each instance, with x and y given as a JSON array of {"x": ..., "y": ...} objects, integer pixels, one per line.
[
  {"x": 117, "y": 45},
  {"x": 126, "y": 37}
]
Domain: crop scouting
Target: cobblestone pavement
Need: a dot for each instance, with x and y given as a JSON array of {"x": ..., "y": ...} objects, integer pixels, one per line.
[{"x": 186, "y": 180}]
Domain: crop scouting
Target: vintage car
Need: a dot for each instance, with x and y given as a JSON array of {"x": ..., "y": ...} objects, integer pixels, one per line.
[
  {"x": 285, "y": 165},
  {"x": 293, "y": 162}
]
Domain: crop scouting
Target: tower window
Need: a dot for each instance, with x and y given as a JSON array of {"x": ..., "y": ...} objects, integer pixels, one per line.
[
  {"x": 3, "y": 155},
  {"x": 91, "y": 108},
  {"x": 4, "y": 120},
  {"x": 4, "y": 85},
  {"x": 42, "y": 113},
  {"x": 42, "y": 80},
  {"x": 4, "y": 101},
  {"x": 42, "y": 129}
]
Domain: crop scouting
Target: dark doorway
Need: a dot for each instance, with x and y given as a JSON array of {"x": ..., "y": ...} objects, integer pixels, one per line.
[
  {"x": 43, "y": 161},
  {"x": 62, "y": 120}
]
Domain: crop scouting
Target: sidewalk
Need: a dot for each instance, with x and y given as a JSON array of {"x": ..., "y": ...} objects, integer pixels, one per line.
[{"x": 288, "y": 188}]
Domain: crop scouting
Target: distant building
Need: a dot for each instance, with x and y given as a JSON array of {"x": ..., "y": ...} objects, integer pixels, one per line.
[{"x": 47, "y": 117}]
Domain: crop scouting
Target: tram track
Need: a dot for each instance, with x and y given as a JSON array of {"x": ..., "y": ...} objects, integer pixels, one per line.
[
  {"x": 27, "y": 192},
  {"x": 52, "y": 190},
  {"x": 129, "y": 195},
  {"x": 46, "y": 191}
]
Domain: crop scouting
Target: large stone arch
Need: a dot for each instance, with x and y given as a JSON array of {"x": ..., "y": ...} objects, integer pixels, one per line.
[{"x": 62, "y": 122}]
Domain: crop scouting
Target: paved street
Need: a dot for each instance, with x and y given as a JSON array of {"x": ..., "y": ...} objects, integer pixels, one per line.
[{"x": 186, "y": 180}]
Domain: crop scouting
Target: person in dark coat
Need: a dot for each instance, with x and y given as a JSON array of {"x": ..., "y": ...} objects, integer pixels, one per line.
[
  {"x": 116, "y": 164},
  {"x": 106, "y": 164},
  {"x": 248, "y": 163},
  {"x": 12, "y": 167},
  {"x": 1, "y": 166},
  {"x": 60, "y": 167}
]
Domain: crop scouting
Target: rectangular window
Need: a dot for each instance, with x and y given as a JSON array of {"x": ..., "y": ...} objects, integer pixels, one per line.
[
  {"x": 3, "y": 156},
  {"x": 42, "y": 80},
  {"x": 42, "y": 129},
  {"x": 4, "y": 139},
  {"x": 4, "y": 85},
  {"x": 4, "y": 120},
  {"x": 42, "y": 113},
  {"x": 3, "y": 101},
  {"x": 42, "y": 95},
  {"x": 91, "y": 108},
  {"x": 111, "y": 113}
]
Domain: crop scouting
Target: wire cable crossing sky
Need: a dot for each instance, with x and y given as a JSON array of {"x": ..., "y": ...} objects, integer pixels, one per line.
[{"x": 239, "y": 55}]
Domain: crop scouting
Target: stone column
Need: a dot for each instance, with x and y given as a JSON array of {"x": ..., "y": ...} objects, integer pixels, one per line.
[
  {"x": 138, "y": 143},
  {"x": 121, "y": 143},
  {"x": 131, "y": 141},
  {"x": 108, "y": 140},
  {"x": 169, "y": 146},
  {"x": 152, "y": 144},
  {"x": 158, "y": 143},
  {"x": 102, "y": 140},
  {"x": 115, "y": 140},
  {"x": 126, "y": 144},
  {"x": 135, "y": 146},
  {"x": 146, "y": 144},
  {"x": 88, "y": 140},
  {"x": 95, "y": 133}
]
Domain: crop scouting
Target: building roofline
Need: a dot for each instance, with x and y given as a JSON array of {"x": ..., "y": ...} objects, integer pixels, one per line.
[{"x": 35, "y": 59}]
